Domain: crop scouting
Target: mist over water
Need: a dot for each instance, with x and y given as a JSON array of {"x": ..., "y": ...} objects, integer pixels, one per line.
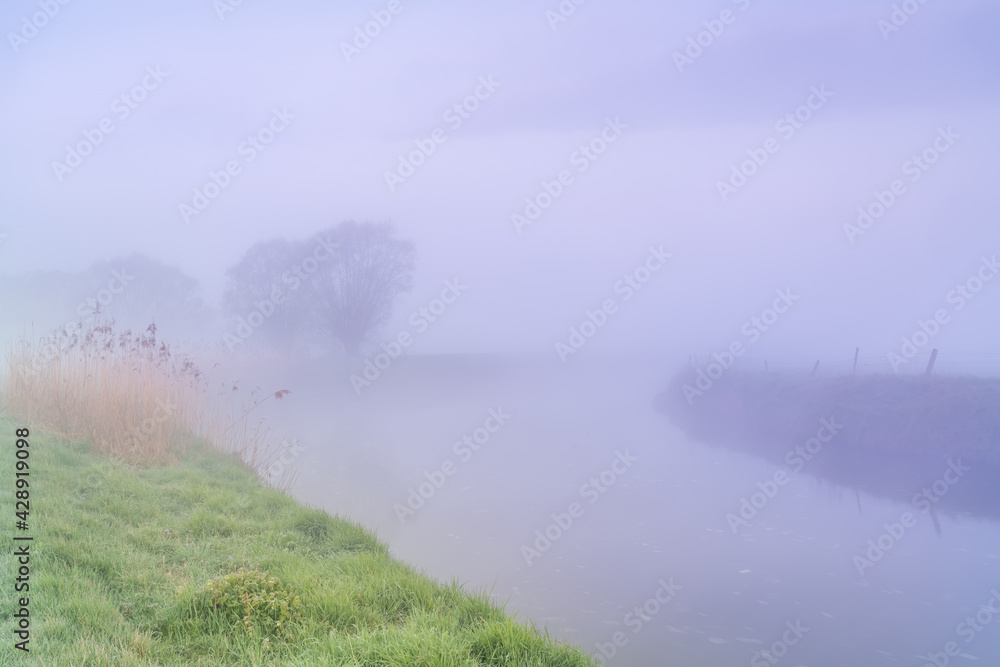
[
  {"x": 661, "y": 523},
  {"x": 600, "y": 198}
]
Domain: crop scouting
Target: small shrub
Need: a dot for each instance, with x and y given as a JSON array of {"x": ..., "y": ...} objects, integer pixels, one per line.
[{"x": 255, "y": 598}]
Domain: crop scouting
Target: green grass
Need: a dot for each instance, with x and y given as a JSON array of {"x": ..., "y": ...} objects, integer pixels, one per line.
[{"x": 158, "y": 567}]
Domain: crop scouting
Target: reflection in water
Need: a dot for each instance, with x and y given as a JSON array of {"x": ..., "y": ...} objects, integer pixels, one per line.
[
  {"x": 930, "y": 441},
  {"x": 785, "y": 581}
]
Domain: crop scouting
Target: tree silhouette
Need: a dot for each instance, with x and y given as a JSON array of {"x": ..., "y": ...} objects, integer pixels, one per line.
[
  {"x": 354, "y": 295},
  {"x": 263, "y": 282}
]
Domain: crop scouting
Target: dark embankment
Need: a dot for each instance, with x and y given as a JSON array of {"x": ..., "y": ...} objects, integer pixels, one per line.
[{"x": 892, "y": 436}]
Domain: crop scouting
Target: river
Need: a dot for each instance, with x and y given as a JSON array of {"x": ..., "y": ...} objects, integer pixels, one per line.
[{"x": 643, "y": 563}]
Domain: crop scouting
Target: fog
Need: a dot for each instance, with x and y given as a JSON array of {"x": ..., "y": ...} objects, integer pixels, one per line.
[{"x": 608, "y": 194}]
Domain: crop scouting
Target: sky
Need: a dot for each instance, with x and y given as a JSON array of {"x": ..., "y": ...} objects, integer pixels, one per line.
[{"x": 204, "y": 76}]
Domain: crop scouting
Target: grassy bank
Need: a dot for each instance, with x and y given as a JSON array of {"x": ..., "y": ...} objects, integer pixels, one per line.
[
  {"x": 159, "y": 566},
  {"x": 909, "y": 415},
  {"x": 893, "y": 435},
  {"x": 152, "y": 546}
]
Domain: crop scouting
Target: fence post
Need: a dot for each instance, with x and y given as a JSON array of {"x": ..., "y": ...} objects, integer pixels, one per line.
[{"x": 930, "y": 364}]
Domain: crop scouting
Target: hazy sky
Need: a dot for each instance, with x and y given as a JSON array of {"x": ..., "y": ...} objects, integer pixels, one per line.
[{"x": 887, "y": 96}]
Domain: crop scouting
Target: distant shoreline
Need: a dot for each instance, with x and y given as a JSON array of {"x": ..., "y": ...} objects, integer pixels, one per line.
[{"x": 895, "y": 435}]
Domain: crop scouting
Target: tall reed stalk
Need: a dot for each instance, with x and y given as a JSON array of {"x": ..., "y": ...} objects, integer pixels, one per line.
[{"x": 130, "y": 396}]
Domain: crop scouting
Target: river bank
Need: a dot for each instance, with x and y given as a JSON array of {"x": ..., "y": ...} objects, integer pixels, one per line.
[
  {"x": 199, "y": 564},
  {"x": 889, "y": 435}
]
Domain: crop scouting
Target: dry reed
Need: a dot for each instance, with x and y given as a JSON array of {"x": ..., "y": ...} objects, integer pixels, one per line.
[{"x": 129, "y": 396}]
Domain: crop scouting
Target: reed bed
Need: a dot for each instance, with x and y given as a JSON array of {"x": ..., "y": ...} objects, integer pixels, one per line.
[
  {"x": 233, "y": 428},
  {"x": 131, "y": 397}
]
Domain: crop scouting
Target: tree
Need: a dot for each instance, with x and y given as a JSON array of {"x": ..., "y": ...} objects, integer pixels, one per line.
[
  {"x": 354, "y": 295},
  {"x": 263, "y": 282},
  {"x": 134, "y": 290},
  {"x": 137, "y": 290}
]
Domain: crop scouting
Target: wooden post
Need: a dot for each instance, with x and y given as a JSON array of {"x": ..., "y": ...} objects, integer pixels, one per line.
[
  {"x": 815, "y": 367},
  {"x": 854, "y": 371},
  {"x": 930, "y": 364}
]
